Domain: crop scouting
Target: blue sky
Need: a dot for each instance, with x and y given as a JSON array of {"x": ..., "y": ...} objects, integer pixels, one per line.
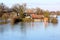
[{"x": 52, "y": 5}]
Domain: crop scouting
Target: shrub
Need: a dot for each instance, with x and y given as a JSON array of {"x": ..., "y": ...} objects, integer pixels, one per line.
[{"x": 54, "y": 20}]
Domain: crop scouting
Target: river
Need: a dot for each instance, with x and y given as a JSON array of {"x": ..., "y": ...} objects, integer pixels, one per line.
[{"x": 30, "y": 31}]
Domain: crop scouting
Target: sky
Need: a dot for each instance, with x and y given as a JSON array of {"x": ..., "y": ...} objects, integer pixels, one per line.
[{"x": 51, "y": 5}]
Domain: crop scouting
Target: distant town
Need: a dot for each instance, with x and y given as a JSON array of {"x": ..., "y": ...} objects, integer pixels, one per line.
[{"x": 21, "y": 13}]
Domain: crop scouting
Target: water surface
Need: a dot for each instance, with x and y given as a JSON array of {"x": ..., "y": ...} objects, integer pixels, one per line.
[{"x": 30, "y": 31}]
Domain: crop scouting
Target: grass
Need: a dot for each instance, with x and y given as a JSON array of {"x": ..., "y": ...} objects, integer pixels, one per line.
[{"x": 27, "y": 20}]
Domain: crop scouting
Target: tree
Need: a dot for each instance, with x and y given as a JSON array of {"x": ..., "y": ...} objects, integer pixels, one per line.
[
  {"x": 46, "y": 14},
  {"x": 5, "y": 17},
  {"x": 3, "y": 9},
  {"x": 39, "y": 11},
  {"x": 19, "y": 9}
]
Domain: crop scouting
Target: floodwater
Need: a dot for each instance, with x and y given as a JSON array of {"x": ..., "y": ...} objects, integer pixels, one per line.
[{"x": 30, "y": 31}]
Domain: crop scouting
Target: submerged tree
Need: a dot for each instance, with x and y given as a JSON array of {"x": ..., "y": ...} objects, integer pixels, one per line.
[
  {"x": 5, "y": 17},
  {"x": 19, "y": 9}
]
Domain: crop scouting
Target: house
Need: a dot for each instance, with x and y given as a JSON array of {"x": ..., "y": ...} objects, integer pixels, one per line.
[
  {"x": 34, "y": 16},
  {"x": 53, "y": 14},
  {"x": 37, "y": 17},
  {"x": 28, "y": 13}
]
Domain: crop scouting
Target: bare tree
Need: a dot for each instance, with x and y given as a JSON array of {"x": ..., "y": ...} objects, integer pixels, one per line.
[
  {"x": 3, "y": 9},
  {"x": 19, "y": 9},
  {"x": 39, "y": 11}
]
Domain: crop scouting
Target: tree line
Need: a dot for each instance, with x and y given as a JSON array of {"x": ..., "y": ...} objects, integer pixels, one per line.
[{"x": 20, "y": 8}]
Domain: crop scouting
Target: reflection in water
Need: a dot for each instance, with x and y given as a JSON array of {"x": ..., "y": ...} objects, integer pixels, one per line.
[
  {"x": 1, "y": 29},
  {"x": 55, "y": 25},
  {"x": 45, "y": 24},
  {"x": 23, "y": 31},
  {"x": 30, "y": 31},
  {"x": 23, "y": 27}
]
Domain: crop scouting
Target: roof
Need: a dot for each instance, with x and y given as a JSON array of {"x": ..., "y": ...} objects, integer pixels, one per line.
[{"x": 36, "y": 16}]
